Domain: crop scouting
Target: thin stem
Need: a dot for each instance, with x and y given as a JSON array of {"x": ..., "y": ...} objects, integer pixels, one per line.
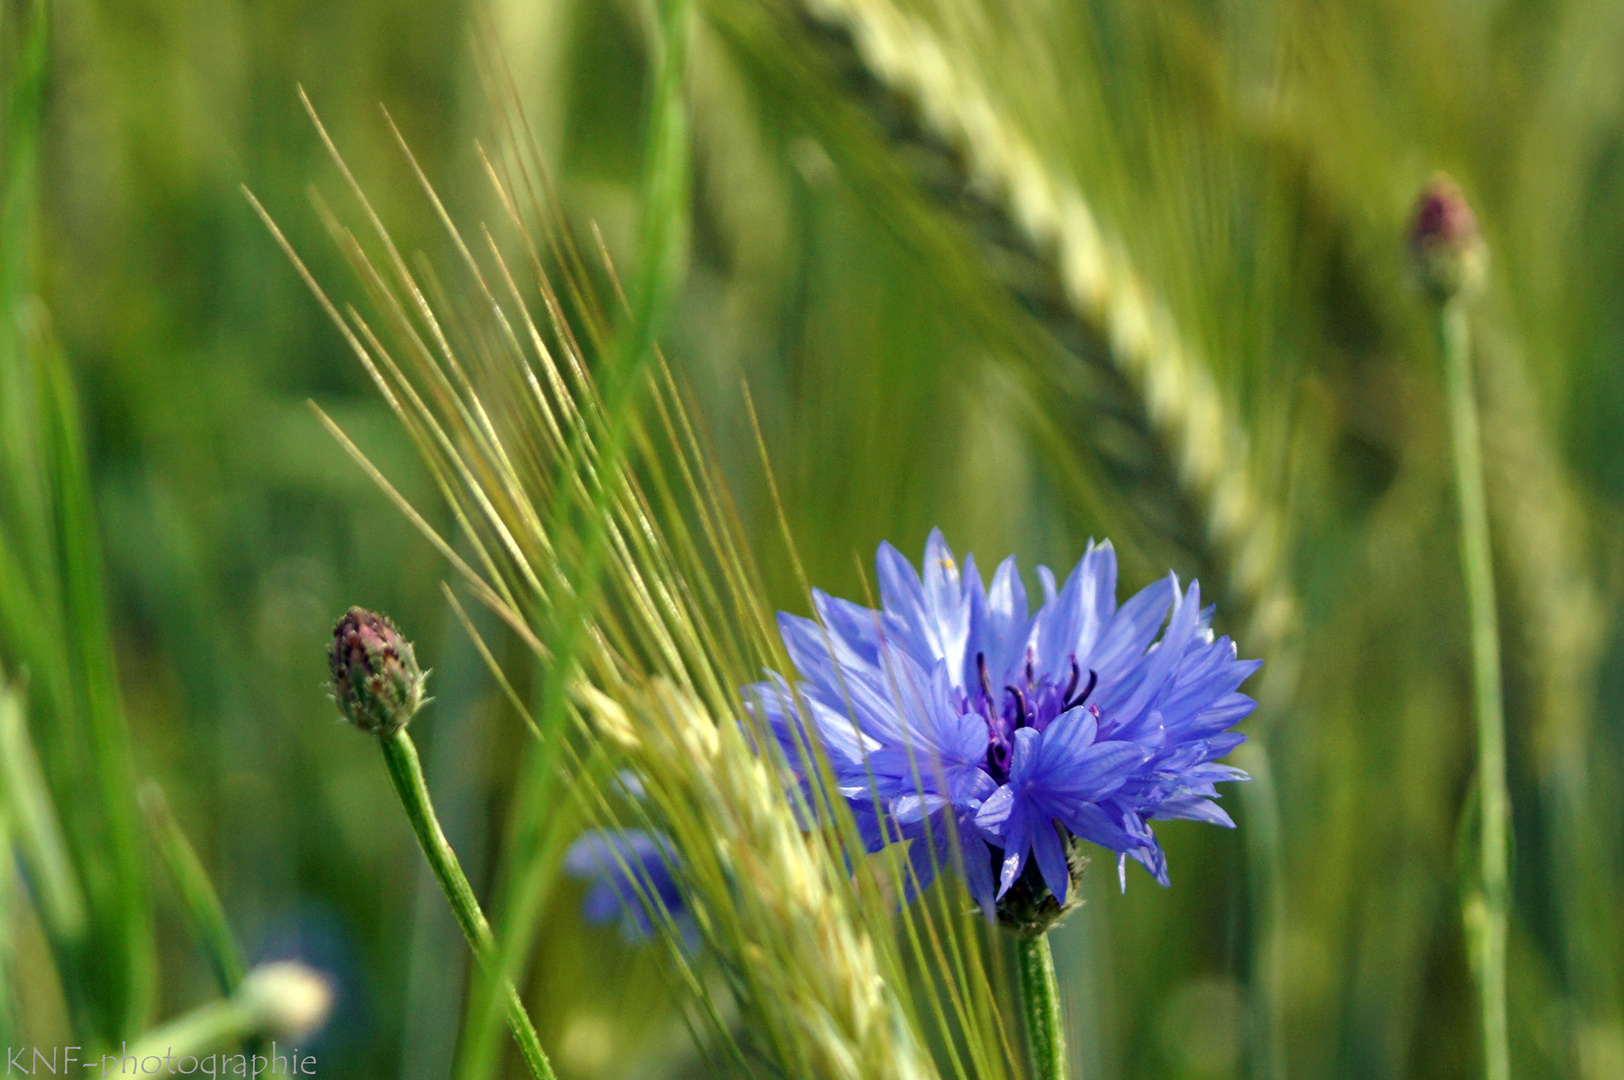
[
  {"x": 203, "y": 1030},
  {"x": 1478, "y": 568},
  {"x": 280, "y": 1000},
  {"x": 1267, "y": 884},
  {"x": 1040, "y": 1006},
  {"x": 406, "y": 771}
]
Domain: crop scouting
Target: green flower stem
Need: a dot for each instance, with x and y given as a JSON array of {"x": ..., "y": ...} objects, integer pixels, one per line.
[
  {"x": 206, "y": 1029},
  {"x": 1040, "y": 1006},
  {"x": 1489, "y": 933},
  {"x": 284, "y": 999},
  {"x": 406, "y": 771}
]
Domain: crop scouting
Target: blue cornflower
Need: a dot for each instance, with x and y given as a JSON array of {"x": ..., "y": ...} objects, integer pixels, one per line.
[
  {"x": 630, "y": 870},
  {"x": 954, "y": 715}
]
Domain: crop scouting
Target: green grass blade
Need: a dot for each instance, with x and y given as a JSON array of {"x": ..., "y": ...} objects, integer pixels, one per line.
[
  {"x": 191, "y": 881},
  {"x": 33, "y": 823},
  {"x": 660, "y": 262},
  {"x": 51, "y": 596}
]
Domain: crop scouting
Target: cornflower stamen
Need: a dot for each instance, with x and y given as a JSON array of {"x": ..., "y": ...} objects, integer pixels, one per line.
[
  {"x": 1071, "y": 702},
  {"x": 1021, "y": 716},
  {"x": 986, "y": 680}
]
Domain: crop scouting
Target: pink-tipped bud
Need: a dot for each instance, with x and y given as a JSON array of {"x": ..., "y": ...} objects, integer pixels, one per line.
[
  {"x": 1449, "y": 253},
  {"x": 376, "y": 680}
]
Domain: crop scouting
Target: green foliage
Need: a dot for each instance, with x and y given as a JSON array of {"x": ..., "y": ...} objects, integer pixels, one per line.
[{"x": 53, "y": 620}]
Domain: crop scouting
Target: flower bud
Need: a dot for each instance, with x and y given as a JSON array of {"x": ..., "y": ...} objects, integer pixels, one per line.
[
  {"x": 1448, "y": 251},
  {"x": 376, "y": 680},
  {"x": 287, "y": 999}
]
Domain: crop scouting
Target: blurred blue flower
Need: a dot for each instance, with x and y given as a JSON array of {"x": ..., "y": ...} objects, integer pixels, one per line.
[
  {"x": 985, "y": 735},
  {"x": 631, "y": 871}
]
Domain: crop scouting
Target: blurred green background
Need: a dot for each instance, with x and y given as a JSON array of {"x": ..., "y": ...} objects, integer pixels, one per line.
[{"x": 1256, "y": 158}]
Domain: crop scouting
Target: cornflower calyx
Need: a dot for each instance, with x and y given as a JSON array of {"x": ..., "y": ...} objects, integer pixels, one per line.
[
  {"x": 376, "y": 681},
  {"x": 1030, "y": 906}
]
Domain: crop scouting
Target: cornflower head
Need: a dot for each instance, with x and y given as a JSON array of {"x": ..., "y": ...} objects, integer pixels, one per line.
[
  {"x": 375, "y": 678},
  {"x": 995, "y": 738},
  {"x": 1446, "y": 246},
  {"x": 631, "y": 876},
  {"x": 632, "y": 881}
]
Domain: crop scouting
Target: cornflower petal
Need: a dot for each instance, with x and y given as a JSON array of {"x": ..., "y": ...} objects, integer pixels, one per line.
[
  {"x": 902, "y": 597},
  {"x": 1016, "y": 837},
  {"x": 1051, "y": 858},
  {"x": 1194, "y": 809},
  {"x": 1002, "y": 630},
  {"x": 947, "y": 609},
  {"x": 1046, "y": 579},
  {"x": 856, "y": 628},
  {"x": 1069, "y": 627}
]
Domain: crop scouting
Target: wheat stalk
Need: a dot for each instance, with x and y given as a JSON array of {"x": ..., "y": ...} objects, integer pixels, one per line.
[
  {"x": 775, "y": 908},
  {"x": 1086, "y": 290}
]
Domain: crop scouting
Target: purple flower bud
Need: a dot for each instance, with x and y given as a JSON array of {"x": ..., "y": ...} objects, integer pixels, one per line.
[
  {"x": 376, "y": 680},
  {"x": 1445, "y": 244}
]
